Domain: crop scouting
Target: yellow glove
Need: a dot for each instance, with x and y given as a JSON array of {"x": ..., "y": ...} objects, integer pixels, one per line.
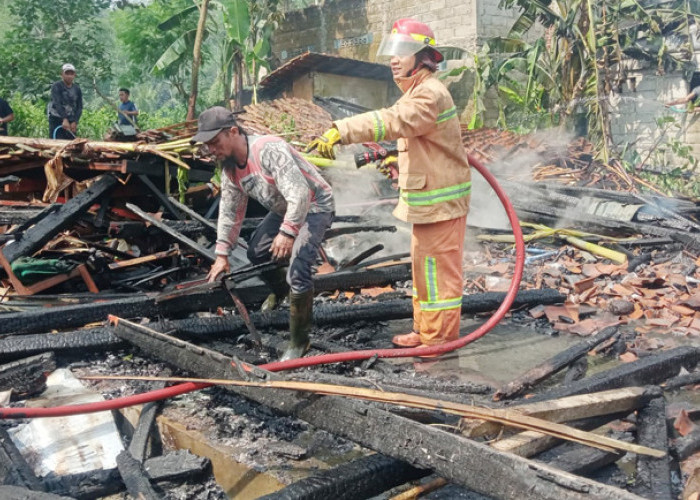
[
  {"x": 324, "y": 144},
  {"x": 389, "y": 166}
]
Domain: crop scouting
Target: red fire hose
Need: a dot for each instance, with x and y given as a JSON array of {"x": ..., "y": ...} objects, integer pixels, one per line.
[{"x": 176, "y": 390}]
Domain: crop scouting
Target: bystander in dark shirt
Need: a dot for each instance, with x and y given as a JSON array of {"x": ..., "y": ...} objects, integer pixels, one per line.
[
  {"x": 66, "y": 102},
  {"x": 5, "y": 110}
]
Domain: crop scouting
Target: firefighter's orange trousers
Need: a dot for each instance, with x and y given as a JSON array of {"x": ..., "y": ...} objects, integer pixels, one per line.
[{"x": 436, "y": 262}]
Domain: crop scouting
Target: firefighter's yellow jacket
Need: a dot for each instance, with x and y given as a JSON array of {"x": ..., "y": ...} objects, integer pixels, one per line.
[{"x": 434, "y": 176}]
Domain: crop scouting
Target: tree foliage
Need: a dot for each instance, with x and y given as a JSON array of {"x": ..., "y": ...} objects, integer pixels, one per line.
[
  {"x": 45, "y": 35},
  {"x": 238, "y": 32},
  {"x": 138, "y": 33}
]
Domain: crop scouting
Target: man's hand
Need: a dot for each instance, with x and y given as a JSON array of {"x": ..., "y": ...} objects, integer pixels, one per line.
[
  {"x": 324, "y": 144},
  {"x": 74, "y": 127},
  {"x": 65, "y": 124},
  {"x": 219, "y": 266},
  {"x": 281, "y": 248}
]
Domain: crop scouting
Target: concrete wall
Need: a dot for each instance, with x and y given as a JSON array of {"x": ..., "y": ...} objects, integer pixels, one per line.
[
  {"x": 354, "y": 28},
  {"x": 371, "y": 94},
  {"x": 639, "y": 105}
]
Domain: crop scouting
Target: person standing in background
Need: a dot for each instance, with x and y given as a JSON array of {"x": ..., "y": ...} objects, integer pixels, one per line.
[
  {"x": 66, "y": 105},
  {"x": 127, "y": 109},
  {"x": 6, "y": 116}
]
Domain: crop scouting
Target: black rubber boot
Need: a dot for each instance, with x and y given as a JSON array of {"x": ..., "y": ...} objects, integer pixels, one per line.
[
  {"x": 276, "y": 279},
  {"x": 300, "y": 318}
]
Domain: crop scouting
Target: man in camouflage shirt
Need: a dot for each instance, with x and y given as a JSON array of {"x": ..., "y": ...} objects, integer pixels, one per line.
[{"x": 300, "y": 204}]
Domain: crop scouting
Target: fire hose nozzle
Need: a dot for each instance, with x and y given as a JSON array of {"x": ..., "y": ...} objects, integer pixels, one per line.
[{"x": 362, "y": 159}]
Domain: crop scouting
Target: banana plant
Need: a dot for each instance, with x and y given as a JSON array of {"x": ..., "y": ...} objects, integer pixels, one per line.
[{"x": 243, "y": 29}]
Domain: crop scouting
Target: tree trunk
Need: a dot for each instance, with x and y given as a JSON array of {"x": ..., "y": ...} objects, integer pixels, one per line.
[
  {"x": 197, "y": 59},
  {"x": 238, "y": 82}
]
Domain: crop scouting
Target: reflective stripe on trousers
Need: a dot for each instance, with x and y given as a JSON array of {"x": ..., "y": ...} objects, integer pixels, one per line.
[{"x": 436, "y": 261}]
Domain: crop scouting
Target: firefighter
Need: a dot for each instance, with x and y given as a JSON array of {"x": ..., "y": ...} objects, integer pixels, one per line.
[{"x": 434, "y": 177}]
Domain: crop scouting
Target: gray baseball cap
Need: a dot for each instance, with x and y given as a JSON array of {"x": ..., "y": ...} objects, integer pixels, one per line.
[{"x": 211, "y": 122}]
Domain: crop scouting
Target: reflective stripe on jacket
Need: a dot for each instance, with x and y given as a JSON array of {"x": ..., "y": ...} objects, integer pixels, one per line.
[{"x": 434, "y": 176}]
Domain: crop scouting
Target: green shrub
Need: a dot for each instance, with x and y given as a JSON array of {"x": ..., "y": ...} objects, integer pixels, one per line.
[{"x": 30, "y": 118}]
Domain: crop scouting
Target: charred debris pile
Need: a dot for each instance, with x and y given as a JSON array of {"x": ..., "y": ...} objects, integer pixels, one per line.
[{"x": 98, "y": 230}]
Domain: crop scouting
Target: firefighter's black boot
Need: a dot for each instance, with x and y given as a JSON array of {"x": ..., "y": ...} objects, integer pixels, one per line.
[
  {"x": 276, "y": 280},
  {"x": 300, "y": 318}
]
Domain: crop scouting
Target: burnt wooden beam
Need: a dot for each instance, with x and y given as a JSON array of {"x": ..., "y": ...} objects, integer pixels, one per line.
[
  {"x": 685, "y": 446},
  {"x": 161, "y": 196},
  {"x": 551, "y": 366},
  {"x": 35, "y": 237},
  {"x": 465, "y": 462},
  {"x": 362, "y": 478},
  {"x": 55, "y": 318},
  {"x": 209, "y": 226},
  {"x": 20, "y": 228},
  {"x": 66, "y": 343},
  {"x": 17, "y": 215},
  {"x": 136, "y": 229},
  {"x": 14, "y": 469},
  {"x": 19, "y": 493},
  {"x": 649, "y": 370},
  {"x": 26, "y": 376},
  {"x": 583, "y": 406},
  {"x": 204, "y": 252},
  {"x": 681, "y": 381},
  {"x": 9, "y": 179},
  {"x": 147, "y": 418},
  {"x": 137, "y": 482},
  {"x": 101, "y": 338},
  {"x": 165, "y": 470},
  {"x": 579, "y": 459},
  {"x": 653, "y": 478}
]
